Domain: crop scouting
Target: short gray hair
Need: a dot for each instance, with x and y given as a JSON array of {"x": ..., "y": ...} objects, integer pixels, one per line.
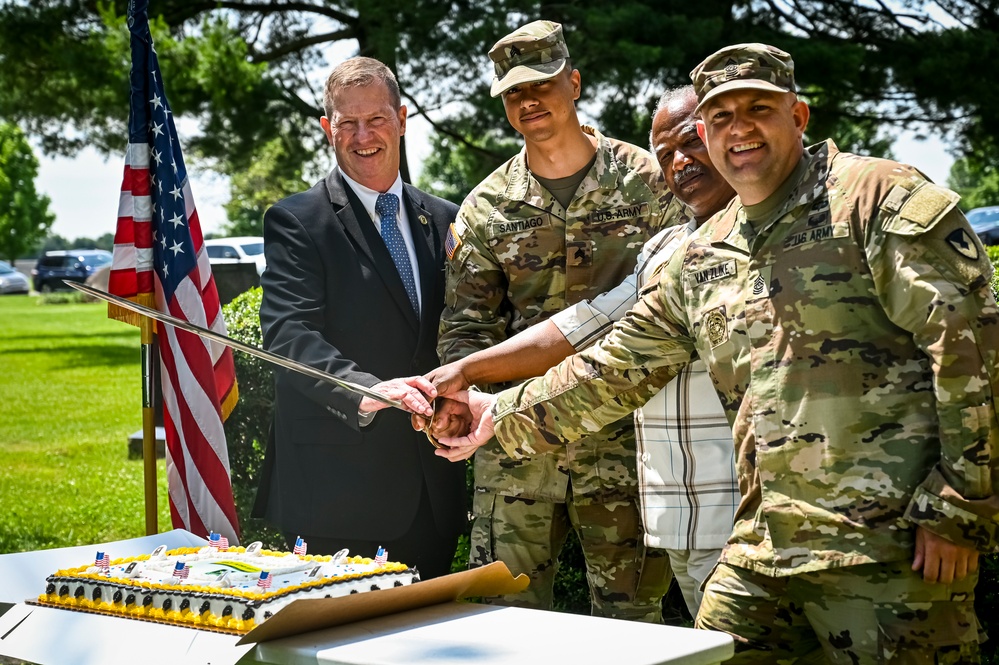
[
  {"x": 358, "y": 72},
  {"x": 675, "y": 94}
]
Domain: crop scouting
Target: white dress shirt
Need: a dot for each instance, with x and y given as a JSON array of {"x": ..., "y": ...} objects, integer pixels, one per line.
[{"x": 368, "y": 197}]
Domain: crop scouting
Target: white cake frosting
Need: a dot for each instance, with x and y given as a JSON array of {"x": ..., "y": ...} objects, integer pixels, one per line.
[{"x": 218, "y": 590}]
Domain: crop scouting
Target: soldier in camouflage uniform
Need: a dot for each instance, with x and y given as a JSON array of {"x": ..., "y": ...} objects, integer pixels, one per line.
[
  {"x": 562, "y": 221},
  {"x": 686, "y": 473},
  {"x": 844, "y": 309}
]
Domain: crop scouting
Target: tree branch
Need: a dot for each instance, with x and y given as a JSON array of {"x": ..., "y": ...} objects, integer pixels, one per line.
[
  {"x": 274, "y": 7},
  {"x": 296, "y": 102},
  {"x": 447, "y": 131},
  {"x": 305, "y": 42}
]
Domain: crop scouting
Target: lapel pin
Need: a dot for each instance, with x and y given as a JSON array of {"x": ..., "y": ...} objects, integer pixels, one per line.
[{"x": 423, "y": 220}]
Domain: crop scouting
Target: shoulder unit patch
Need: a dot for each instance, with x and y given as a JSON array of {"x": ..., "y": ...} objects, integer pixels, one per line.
[{"x": 963, "y": 244}]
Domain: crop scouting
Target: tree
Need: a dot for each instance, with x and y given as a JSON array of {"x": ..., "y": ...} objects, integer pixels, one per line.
[
  {"x": 468, "y": 149},
  {"x": 275, "y": 174},
  {"x": 977, "y": 183},
  {"x": 245, "y": 71},
  {"x": 24, "y": 213},
  {"x": 250, "y": 71}
]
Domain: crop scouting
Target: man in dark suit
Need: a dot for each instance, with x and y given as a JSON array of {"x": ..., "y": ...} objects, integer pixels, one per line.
[{"x": 354, "y": 286}]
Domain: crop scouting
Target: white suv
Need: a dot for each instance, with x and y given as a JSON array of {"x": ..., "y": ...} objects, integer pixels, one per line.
[{"x": 249, "y": 249}]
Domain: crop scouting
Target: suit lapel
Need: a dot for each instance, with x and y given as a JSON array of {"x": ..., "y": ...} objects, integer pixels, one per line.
[
  {"x": 355, "y": 220},
  {"x": 346, "y": 213}
]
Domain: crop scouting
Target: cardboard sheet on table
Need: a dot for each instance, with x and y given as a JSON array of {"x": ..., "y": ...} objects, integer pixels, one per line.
[{"x": 308, "y": 614}]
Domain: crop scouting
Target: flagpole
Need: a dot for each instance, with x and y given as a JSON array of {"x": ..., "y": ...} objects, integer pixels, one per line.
[
  {"x": 148, "y": 425},
  {"x": 159, "y": 261}
]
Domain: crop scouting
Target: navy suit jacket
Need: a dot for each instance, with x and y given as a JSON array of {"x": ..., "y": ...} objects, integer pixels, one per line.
[{"x": 334, "y": 300}]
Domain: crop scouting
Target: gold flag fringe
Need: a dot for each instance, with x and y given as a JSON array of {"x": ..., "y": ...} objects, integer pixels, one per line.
[
  {"x": 229, "y": 403},
  {"x": 134, "y": 318},
  {"x": 128, "y": 316}
]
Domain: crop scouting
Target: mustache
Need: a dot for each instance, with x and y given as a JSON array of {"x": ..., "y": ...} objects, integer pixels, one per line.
[{"x": 689, "y": 171}]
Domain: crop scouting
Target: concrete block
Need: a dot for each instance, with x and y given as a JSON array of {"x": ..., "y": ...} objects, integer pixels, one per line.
[{"x": 135, "y": 444}]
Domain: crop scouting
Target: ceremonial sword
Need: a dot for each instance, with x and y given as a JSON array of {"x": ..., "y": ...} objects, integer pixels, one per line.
[{"x": 269, "y": 356}]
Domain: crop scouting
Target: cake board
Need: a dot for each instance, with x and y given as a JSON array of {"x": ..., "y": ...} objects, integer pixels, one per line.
[{"x": 51, "y": 636}]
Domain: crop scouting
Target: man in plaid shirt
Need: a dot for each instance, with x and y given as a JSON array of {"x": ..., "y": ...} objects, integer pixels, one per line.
[{"x": 686, "y": 472}]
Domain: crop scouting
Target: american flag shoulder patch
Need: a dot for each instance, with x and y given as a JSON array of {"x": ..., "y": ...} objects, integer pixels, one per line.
[{"x": 452, "y": 242}]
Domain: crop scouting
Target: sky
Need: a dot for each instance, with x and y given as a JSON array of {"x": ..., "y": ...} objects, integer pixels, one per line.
[{"x": 84, "y": 190}]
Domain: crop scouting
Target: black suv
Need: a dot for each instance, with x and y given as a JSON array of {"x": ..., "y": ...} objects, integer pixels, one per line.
[{"x": 73, "y": 264}]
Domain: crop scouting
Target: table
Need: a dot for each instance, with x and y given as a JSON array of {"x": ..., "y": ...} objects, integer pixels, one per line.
[
  {"x": 462, "y": 633},
  {"x": 451, "y": 633}
]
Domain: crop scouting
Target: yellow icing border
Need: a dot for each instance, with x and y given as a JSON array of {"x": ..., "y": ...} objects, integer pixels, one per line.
[
  {"x": 79, "y": 573},
  {"x": 207, "y": 620}
]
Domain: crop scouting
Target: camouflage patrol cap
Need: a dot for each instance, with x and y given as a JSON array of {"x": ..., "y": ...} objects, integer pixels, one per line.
[
  {"x": 755, "y": 66},
  {"x": 534, "y": 52}
]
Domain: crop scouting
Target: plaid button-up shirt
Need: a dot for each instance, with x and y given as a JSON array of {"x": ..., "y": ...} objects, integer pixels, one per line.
[{"x": 686, "y": 468}]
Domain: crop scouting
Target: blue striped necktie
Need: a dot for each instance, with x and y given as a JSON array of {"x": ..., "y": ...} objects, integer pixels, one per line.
[{"x": 387, "y": 207}]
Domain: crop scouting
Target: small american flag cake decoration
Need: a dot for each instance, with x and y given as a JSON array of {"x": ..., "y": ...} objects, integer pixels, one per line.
[{"x": 218, "y": 541}]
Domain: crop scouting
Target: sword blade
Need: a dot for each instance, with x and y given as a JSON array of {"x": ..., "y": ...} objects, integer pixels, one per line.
[{"x": 269, "y": 356}]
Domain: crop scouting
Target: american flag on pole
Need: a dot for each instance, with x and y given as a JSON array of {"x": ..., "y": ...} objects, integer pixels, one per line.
[
  {"x": 381, "y": 556},
  {"x": 264, "y": 582},
  {"x": 159, "y": 260},
  {"x": 300, "y": 547}
]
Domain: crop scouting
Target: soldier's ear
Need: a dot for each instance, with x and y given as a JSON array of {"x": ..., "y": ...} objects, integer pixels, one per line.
[
  {"x": 800, "y": 112},
  {"x": 701, "y": 132}
]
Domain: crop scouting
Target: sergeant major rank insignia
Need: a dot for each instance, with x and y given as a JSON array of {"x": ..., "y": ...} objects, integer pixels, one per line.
[
  {"x": 759, "y": 284},
  {"x": 716, "y": 325}
]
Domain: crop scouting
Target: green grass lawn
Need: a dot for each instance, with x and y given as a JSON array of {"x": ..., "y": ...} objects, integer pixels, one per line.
[{"x": 70, "y": 395}]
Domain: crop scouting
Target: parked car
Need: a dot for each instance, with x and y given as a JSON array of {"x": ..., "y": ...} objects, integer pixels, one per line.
[
  {"x": 12, "y": 281},
  {"x": 73, "y": 264},
  {"x": 985, "y": 223},
  {"x": 249, "y": 249}
]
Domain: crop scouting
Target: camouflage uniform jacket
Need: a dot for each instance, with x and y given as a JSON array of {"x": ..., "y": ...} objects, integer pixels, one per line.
[
  {"x": 854, "y": 343},
  {"x": 516, "y": 258}
]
